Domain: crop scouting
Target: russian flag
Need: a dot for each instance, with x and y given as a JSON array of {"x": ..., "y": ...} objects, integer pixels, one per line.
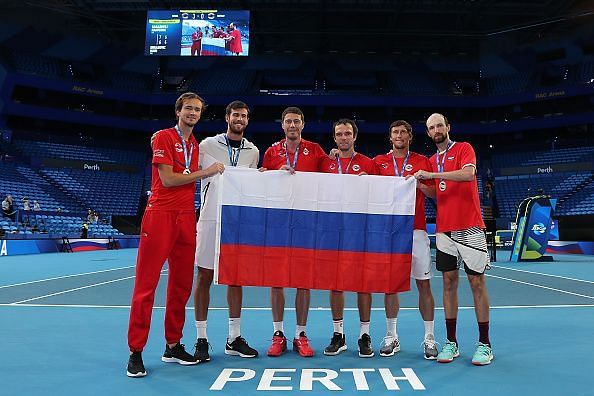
[{"x": 314, "y": 230}]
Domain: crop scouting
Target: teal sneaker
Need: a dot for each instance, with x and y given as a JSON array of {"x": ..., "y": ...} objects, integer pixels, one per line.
[
  {"x": 483, "y": 355},
  {"x": 448, "y": 352}
]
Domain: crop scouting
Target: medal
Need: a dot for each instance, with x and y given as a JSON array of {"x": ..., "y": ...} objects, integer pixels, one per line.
[
  {"x": 441, "y": 165},
  {"x": 187, "y": 156}
]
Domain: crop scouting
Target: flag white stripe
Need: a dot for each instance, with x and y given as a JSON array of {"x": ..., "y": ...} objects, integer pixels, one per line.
[{"x": 319, "y": 192}]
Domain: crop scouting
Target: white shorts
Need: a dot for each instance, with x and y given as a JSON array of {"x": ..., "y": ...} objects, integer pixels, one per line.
[
  {"x": 421, "y": 256},
  {"x": 470, "y": 245}
]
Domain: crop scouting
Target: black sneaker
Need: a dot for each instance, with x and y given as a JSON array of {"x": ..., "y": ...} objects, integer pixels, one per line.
[
  {"x": 178, "y": 354},
  {"x": 201, "y": 352},
  {"x": 337, "y": 345},
  {"x": 239, "y": 347},
  {"x": 135, "y": 366},
  {"x": 365, "y": 349}
]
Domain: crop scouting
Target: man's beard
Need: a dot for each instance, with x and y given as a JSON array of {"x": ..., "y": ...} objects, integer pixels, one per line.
[
  {"x": 237, "y": 128},
  {"x": 439, "y": 138}
]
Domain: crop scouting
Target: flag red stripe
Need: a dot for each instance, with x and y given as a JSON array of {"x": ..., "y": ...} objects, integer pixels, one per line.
[{"x": 243, "y": 265}]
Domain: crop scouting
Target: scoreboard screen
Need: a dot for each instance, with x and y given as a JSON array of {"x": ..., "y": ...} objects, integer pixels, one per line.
[{"x": 197, "y": 33}]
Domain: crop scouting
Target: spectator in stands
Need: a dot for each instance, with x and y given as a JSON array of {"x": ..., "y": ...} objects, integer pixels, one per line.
[
  {"x": 84, "y": 230},
  {"x": 26, "y": 205},
  {"x": 8, "y": 207},
  {"x": 36, "y": 206},
  {"x": 95, "y": 217},
  {"x": 89, "y": 215},
  {"x": 59, "y": 209}
]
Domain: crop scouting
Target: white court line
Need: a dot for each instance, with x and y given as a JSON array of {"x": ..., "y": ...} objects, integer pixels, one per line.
[
  {"x": 65, "y": 276},
  {"x": 541, "y": 286},
  {"x": 290, "y": 308},
  {"x": 540, "y": 273},
  {"x": 75, "y": 289}
]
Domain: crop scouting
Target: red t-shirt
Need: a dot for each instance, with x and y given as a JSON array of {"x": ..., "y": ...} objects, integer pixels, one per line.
[
  {"x": 385, "y": 167},
  {"x": 458, "y": 207},
  {"x": 168, "y": 150},
  {"x": 235, "y": 45},
  {"x": 308, "y": 160},
  {"x": 196, "y": 37},
  {"x": 360, "y": 163}
]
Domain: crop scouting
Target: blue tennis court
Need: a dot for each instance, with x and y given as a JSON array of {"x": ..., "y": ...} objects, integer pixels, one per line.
[{"x": 64, "y": 321}]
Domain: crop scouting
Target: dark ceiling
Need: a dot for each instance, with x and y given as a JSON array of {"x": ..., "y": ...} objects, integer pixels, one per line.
[{"x": 321, "y": 27}]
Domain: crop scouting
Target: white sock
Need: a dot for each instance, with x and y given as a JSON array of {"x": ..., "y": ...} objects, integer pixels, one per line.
[
  {"x": 429, "y": 327},
  {"x": 298, "y": 331},
  {"x": 278, "y": 326},
  {"x": 364, "y": 329},
  {"x": 201, "y": 329},
  {"x": 338, "y": 326},
  {"x": 234, "y": 328},
  {"x": 391, "y": 327}
]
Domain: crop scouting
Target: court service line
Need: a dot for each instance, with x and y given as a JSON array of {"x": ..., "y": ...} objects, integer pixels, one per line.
[
  {"x": 541, "y": 286},
  {"x": 543, "y": 274},
  {"x": 66, "y": 276},
  {"x": 75, "y": 289}
]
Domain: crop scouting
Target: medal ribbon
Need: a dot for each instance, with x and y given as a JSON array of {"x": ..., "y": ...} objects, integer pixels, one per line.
[
  {"x": 348, "y": 166},
  {"x": 234, "y": 159},
  {"x": 187, "y": 157},
  {"x": 396, "y": 172},
  {"x": 294, "y": 158}
]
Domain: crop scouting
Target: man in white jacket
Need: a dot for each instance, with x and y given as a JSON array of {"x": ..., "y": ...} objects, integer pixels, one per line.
[{"x": 232, "y": 149}]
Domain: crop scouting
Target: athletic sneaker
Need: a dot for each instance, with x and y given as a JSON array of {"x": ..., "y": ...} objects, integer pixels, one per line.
[
  {"x": 279, "y": 344},
  {"x": 239, "y": 347},
  {"x": 337, "y": 345},
  {"x": 430, "y": 347},
  {"x": 201, "y": 352},
  {"x": 483, "y": 355},
  {"x": 365, "y": 348},
  {"x": 135, "y": 366},
  {"x": 448, "y": 352},
  {"x": 390, "y": 346},
  {"x": 301, "y": 345},
  {"x": 178, "y": 354}
]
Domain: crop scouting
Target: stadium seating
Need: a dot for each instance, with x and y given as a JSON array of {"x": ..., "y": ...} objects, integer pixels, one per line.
[
  {"x": 81, "y": 153},
  {"x": 511, "y": 190},
  {"x": 109, "y": 193},
  {"x": 543, "y": 158}
]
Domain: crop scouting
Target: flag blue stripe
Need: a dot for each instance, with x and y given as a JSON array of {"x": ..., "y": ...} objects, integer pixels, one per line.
[{"x": 355, "y": 232}]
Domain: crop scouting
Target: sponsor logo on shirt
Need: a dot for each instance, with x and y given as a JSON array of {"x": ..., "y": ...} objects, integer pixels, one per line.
[
  {"x": 408, "y": 167},
  {"x": 384, "y": 165},
  {"x": 356, "y": 168},
  {"x": 159, "y": 153},
  {"x": 332, "y": 166},
  {"x": 451, "y": 158},
  {"x": 305, "y": 151},
  {"x": 178, "y": 147}
]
